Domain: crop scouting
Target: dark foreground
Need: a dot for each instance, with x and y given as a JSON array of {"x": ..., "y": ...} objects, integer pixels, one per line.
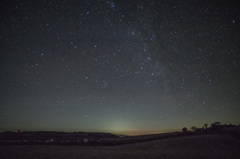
[{"x": 221, "y": 146}]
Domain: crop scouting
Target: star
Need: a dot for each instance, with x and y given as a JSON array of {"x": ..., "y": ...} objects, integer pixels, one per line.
[{"x": 129, "y": 64}]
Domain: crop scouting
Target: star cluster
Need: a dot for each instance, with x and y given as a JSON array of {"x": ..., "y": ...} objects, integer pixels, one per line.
[{"x": 119, "y": 66}]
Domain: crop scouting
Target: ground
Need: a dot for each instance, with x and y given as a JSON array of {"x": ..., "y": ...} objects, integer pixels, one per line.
[{"x": 220, "y": 146}]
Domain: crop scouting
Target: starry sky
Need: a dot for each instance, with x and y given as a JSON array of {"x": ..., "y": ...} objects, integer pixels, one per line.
[{"x": 119, "y": 66}]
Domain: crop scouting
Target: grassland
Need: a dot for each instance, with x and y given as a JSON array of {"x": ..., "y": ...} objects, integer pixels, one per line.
[{"x": 220, "y": 146}]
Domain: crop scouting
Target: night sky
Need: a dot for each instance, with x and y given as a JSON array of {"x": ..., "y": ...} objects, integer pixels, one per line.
[{"x": 131, "y": 67}]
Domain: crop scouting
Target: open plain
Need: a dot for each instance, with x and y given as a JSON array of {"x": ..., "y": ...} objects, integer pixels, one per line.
[{"x": 220, "y": 146}]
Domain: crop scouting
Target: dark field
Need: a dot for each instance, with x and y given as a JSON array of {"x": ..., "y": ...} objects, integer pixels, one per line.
[{"x": 210, "y": 146}]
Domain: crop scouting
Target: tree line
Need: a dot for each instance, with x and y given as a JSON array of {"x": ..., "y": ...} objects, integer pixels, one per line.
[{"x": 213, "y": 127}]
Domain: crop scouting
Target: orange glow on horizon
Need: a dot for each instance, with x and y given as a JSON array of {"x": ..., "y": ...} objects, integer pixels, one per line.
[{"x": 135, "y": 133}]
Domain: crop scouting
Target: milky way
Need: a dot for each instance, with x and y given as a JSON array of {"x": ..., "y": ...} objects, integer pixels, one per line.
[{"x": 119, "y": 66}]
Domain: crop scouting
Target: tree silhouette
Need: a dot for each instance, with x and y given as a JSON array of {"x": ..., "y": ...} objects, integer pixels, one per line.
[
  {"x": 205, "y": 125},
  {"x": 215, "y": 126},
  {"x": 217, "y": 123},
  {"x": 184, "y": 130},
  {"x": 194, "y": 128}
]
